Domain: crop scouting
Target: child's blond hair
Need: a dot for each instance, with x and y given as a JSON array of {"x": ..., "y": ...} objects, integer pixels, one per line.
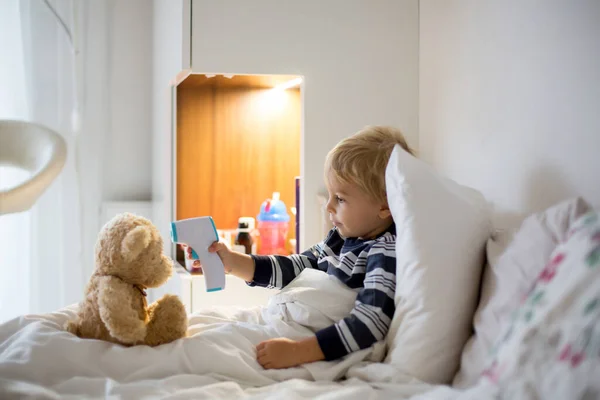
[{"x": 362, "y": 158}]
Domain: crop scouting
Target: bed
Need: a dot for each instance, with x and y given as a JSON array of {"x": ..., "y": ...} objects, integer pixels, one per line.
[{"x": 469, "y": 322}]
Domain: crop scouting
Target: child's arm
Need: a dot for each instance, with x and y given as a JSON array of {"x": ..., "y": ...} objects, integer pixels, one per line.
[
  {"x": 367, "y": 323},
  {"x": 278, "y": 271},
  {"x": 269, "y": 271},
  {"x": 370, "y": 319}
]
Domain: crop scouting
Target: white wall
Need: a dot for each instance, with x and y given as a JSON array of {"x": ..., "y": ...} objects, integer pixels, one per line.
[
  {"x": 510, "y": 98},
  {"x": 359, "y": 59},
  {"x": 167, "y": 62},
  {"x": 128, "y": 162},
  {"x": 95, "y": 130}
]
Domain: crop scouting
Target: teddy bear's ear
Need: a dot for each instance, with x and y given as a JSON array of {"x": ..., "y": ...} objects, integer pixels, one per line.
[{"x": 135, "y": 242}]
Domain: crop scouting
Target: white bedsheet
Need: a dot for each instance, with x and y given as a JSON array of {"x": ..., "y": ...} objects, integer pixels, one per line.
[{"x": 217, "y": 360}]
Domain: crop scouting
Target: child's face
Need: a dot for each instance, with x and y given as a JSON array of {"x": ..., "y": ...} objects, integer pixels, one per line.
[{"x": 354, "y": 213}]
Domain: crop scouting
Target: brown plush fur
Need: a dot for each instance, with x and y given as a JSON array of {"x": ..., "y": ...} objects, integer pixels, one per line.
[{"x": 129, "y": 259}]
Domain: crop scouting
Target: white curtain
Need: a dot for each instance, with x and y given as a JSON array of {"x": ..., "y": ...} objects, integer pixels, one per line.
[
  {"x": 64, "y": 59},
  {"x": 15, "y": 235}
]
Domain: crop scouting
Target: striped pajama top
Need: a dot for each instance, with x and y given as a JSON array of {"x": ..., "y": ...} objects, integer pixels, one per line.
[{"x": 368, "y": 266}]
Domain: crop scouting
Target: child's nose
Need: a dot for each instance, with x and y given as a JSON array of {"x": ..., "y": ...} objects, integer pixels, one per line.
[{"x": 329, "y": 207}]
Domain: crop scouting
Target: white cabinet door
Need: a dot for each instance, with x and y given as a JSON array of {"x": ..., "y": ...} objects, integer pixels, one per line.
[
  {"x": 193, "y": 294},
  {"x": 171, "y": 55},
  {"x": 236, "y": 293},
  {"x": 359, "y": 59}
]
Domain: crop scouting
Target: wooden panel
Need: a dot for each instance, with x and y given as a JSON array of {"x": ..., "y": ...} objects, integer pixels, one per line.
[
  {"x": 195, "y": 155},
  {"x": 239, "y": 81},
  {"x": 235, "y": 148}
]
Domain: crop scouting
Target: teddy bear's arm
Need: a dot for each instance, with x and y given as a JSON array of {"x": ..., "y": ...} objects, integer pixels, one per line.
[{"x": 114, "y": 303}]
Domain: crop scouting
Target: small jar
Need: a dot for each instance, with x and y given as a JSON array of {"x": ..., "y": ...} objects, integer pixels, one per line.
[{"x": 244, "y": 240}]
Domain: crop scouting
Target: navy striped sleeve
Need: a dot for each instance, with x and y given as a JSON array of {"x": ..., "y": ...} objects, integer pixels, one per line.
[
  {"x": 370, "y": 319},
  {"x": 278, "y": 271}
]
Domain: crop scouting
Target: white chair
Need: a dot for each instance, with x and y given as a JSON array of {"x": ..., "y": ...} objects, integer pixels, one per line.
[{"x": 36, "y": 149}]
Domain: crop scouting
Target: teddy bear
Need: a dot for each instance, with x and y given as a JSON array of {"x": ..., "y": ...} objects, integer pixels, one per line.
[{"x": 129, "y": 259}]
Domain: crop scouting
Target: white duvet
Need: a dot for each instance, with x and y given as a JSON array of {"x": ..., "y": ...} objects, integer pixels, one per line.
[{"x": 217, "y": 360}]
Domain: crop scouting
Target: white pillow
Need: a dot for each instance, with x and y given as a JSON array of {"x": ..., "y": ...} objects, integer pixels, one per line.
[{"x": 442, "y": 228}]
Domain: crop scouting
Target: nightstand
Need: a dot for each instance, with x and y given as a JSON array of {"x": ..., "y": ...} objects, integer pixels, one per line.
[{"x": 192, "y": 289}]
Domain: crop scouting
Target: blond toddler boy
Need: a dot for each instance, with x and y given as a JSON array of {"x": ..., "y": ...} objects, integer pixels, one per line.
[{"x": 359, "y": 250}]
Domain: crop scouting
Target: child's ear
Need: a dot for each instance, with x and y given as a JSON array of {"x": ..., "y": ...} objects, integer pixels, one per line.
[{"x": 385, "y": 212}]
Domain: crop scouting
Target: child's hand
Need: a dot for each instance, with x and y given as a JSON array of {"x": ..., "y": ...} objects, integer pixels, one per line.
[
  {"x": 285, "y": 353},
  {"x": 217, "y": 247}
]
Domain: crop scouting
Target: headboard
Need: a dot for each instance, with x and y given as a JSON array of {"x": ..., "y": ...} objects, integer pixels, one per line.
[{"x": 510, "y": 100}]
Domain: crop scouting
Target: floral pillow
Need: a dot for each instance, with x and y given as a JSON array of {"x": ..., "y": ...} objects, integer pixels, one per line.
[
  {"x": 515, "y": 260},
  {"x": 551, "y": 348}
]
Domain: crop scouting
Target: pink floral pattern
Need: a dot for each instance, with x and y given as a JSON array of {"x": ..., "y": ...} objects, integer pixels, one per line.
[
  {"x": 574, "y": 358},
  {"x": 492, "y": 372},
  {"x": 550, "y": 271}
]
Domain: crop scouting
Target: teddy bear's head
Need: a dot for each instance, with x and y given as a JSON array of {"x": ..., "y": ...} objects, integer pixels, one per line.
[{"x": 131, "y": 248}]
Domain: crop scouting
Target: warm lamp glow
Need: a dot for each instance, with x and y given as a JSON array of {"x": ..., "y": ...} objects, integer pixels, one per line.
[{"x": 288, "y": 84}]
